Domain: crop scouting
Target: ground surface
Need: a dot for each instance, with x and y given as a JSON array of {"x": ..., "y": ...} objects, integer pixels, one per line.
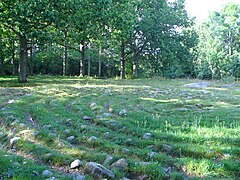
[{"x": 192, "y": 132}]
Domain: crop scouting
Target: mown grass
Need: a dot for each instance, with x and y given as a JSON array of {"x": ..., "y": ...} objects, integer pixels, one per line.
[{"x": 200, "y": 125}]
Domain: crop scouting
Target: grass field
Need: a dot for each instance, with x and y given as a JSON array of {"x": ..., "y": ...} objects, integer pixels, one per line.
[{"x": 192, "y": 133}]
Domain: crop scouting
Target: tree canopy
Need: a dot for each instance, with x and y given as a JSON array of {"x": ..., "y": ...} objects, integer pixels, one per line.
[{"x": 124, "y": 38}]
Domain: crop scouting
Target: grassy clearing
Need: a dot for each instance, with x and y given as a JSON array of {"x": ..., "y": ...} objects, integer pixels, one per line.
[{"x": 195, "y": 132}]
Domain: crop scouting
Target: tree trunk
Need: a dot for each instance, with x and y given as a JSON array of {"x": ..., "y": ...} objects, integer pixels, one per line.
[
  {"x": 82, "y": 59},
  {"x": 1, "y": 62},
  {"x": 100, "y": 61},
  {"x": 22, "y": 68},
  {"x": 31, "y": 58},
  {"x": 89, "y": 60},
  {"x": 13, "y": 59},
  {"x": 65, "y": 53},
  {"x": 135, "y": 64},
  {"x": 1, "y": 65},
  {"x": 122, "y": 61}
]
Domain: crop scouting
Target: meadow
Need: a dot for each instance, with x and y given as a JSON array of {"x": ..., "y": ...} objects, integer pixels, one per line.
[{"x": 162, "y": 128}]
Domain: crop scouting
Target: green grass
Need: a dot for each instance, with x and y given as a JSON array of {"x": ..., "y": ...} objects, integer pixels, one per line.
[{"x": 202, "y": 126}]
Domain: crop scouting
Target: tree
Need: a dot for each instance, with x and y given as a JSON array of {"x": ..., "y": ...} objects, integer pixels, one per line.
[
  {"x": 219, "y": 51},
  {"x": 25, "y": 19}
]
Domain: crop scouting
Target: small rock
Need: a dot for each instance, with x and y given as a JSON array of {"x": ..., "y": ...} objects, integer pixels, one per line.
[
  {"x": 107, "y": 134},
  {"x": 182, "y": 109},
  {"x": 86, "y": 118},
  {"x": 107, "y": 160},
  {"x": 152, "y": 154},
  {"x": 14, "y": 140},
  {"x": 124, "y": 178},
  {"x": 143, "y": 177},
  {"x": 144, "y": 163},
  {"x": 125, "y": 151},
  {"x": 129, "y": 141},
  {"x": 107, "y": 115},
  {"x": 22, "y": 125},
  {"x": 16, "y": 164},
  {"x": 47, "y": 126},
  {"x": 66, "y": 131},
  {"x": 77, "y": 176},
  {"x": 47, "y": 173},
  {"x": 15, "y": 122},
  {"x": 166, "y": 147},
  {"x": 167, "y": 170},
  {"x": 123, "y": 112},
  {"x": 93, "y": 106},
  {"x": 51, "y": 178},
  {"x": 92, "y": 138},
  {"x": 75, "y": 164},
  {"x": 198, "y": 85},
  {"x": 98, "y": 170},
  {"x": 147, "y": 136},
  {"x": 121, "y": 164},
  {"x": 70, "y": 138},
  {"x": 150, "y": 146}
]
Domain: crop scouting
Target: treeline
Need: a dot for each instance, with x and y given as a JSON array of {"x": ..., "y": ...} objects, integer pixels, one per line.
[{"x": 107, "y": 38}]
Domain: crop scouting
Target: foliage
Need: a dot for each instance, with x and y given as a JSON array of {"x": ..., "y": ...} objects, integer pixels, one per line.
[{"x": 218, "y": 49}]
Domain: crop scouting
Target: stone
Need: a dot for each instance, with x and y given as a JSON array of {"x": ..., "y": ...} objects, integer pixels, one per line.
[
  {"x": 123, "y": 112},
  {"x": 125, "y": 151},
  {"x": 124, "y": 178},
  {"x": 86, "y": 118},
  {"x": 147, "y": 136},
  {"x": 47, "y": 126},
  {"x": 129, "y": 141},
  {"x": 15, "y": 122},
  {"x": 92, "y": 138},
  {"x": 107, "y": 160},
  {"x": 144, "y": 163},
  {"x": 198, "y": 85},
  {"x": 51, "y": 178},
  {"x": 47, "y": 173},
  {"x": 107, "y": 134},
  {"x": 143, "y": 177},
  {"x": 166, "y": 147},
  {"x": 14, "y": 140},
  {"x": 66, "y": 131},
  {"x": 93, "y": 106},
  {"x": 70, "y": 138},
  {"x": 152, "y": 154},
  {"x": 107, "y": 115},
  {"x": 182, "y": 109},
  {"x": 121, "y": 164},
  {"x": 98, "y": 170},
  {"x": 77, "y": 176},
  {"x": 75, "y": 164},
  {"x": 22, "y": 125}
]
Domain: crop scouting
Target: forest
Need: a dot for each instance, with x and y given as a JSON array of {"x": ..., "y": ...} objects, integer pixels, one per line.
[{"x": 110, "y": 38}]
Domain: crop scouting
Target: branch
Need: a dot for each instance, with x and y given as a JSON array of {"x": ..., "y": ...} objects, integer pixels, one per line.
[{"x": 11, "y": 28}]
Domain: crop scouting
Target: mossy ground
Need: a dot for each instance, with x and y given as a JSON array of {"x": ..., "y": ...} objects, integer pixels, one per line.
[{"x": 201, "y": 125}]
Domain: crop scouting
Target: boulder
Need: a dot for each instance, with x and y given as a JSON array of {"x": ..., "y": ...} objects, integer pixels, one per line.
[
  {"x": 123, "y": 112},
  {"x": 47, "y": 173},
  {"x": 121, "y": 164},
  {"x": 14, "y": 140},
  {"x": 147, "y": 136},
  {"x": 98, "y": 170},
  {"x": 77, "y": 176},
  {"x": 75, "y": 164},
  {"x": 70, "y": 138},
  {"x": 166, "y": 147}
]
